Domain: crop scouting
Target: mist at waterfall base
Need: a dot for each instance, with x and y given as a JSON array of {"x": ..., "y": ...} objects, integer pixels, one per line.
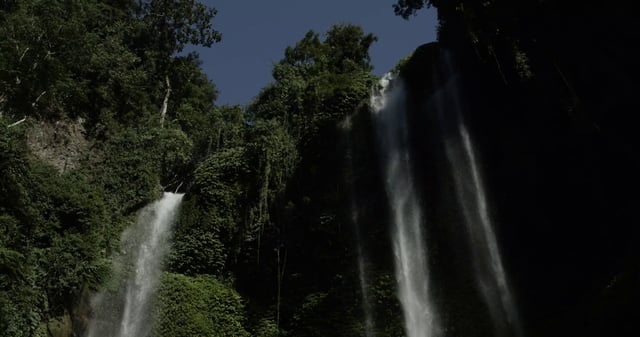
[{"x": 124, "y": 307}]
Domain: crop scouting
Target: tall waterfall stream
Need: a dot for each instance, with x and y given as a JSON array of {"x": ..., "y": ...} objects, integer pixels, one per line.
[
  {"x": 472, "y": 199},
  {"x": 421, "y": 314},
  {"x": 407, "y": 219},
  {"x": 123, "y": 308}
]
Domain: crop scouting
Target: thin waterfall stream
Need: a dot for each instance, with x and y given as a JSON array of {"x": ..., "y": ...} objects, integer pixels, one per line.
[
  {"x": 461, "y": 155},
  {"x": 369, "y": 325},
  {"x": 407, "y": 219},
  {"x": 123, "y": 309}
]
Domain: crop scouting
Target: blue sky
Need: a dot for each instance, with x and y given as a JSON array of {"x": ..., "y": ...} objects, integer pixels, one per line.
[{"x": 256, "y": 32}]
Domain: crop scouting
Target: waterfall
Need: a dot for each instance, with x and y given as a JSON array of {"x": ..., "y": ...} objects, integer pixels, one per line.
[
  {"x": 123, "y": 309},
  {"x": 471, "y": 196},
  {"x": 369, "y": 326},
  {"x": 408, "y": 239}
]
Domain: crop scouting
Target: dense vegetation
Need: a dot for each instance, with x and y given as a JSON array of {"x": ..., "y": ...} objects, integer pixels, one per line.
[
  {"x": 263, "y": 213},
  {"x": 101, "y": 110}
]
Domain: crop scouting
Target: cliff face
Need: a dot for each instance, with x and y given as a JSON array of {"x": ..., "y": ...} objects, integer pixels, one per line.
[
  {"x": 61, "y": 144},
  {"x": 548, "y": 95}
]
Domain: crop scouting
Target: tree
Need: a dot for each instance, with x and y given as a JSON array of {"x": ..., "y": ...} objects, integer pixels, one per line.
[
  {"x": 295, "y": 122},
  {"x": 175, "y": 24},
  {"x": 309, "y": 77},
  {"x": 170, "y": 26},
  {"x": 406, "y": 8}
]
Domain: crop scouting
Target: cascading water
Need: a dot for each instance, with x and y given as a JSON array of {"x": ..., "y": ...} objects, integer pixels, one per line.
[
  {"x": 408, "y": 239},
  {"x": 125, "y": 310},
  {"x": 490, "y": 273},
  {"x": 369, "y": 326}
]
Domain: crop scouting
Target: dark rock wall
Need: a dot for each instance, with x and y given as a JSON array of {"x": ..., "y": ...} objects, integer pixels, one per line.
[{"x": 548, "y": 93}]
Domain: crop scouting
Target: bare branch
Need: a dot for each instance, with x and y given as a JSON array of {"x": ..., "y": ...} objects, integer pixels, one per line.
[
  {"x": 177, "y": 188},
  {"x": 16, "y": 123},
  {"x": 37, "y": 99},
  {"x": 23, "y": 54}
]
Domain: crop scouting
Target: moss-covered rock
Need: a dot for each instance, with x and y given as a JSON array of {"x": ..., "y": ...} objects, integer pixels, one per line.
[{"x": 60, "y": 326}]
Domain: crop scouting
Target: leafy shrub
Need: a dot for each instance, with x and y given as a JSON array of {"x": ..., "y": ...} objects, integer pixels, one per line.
[{"x": 198, "y": 306}]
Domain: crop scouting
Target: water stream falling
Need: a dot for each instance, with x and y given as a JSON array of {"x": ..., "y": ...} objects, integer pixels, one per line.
[
  {"x": 408, "y": 238},
  {"x": 471, "y": 196},
  {"x": 123, "y": 309},
  {"x": 369, "y": 326}
]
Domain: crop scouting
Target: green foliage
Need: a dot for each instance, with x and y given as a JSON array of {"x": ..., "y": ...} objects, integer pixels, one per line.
[
  {"x": 68, "y": 220},
  {"x": 103, "y": 61},
  {"x": 199, "y": 252},
  {"x": 20, "y": 312},
  {"x": 174, "y": 149},
  {"x": 258, "y": 179},
  {"x": 211, "y": 218},
  {"x": 198, "y": 306},
  {"x": 64, "y": 58},
  {"x": 192, "y": 107},
  {"x": 407, "y": 8},
  {"x": 13, "y": 168},
  {"x": 177, "y": 23},
  {"x": 349, "y": 46},
  {"x": 385, "y": 305},
  {"x": 11, "y": 264},
  {"x": 218, "y": 179},
  {"x": 51, "y": 242},
  {"x": 274, "y": 157},
  {"x": 328, "y": 314},
  {"x": 20, "y": 302},
  {"x": 297, "y": 238},
  {"x": 69, "y": 264},
  {"x": 266, "y": 328},
  {"x": 128, "y": 170},
  {"x": 318, "y": 81}
]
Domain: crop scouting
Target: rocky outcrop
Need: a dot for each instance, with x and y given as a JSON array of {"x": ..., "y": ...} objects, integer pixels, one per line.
[
  {"x": 60, "y": 327},
  {"x": 61, "y": 144}
]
